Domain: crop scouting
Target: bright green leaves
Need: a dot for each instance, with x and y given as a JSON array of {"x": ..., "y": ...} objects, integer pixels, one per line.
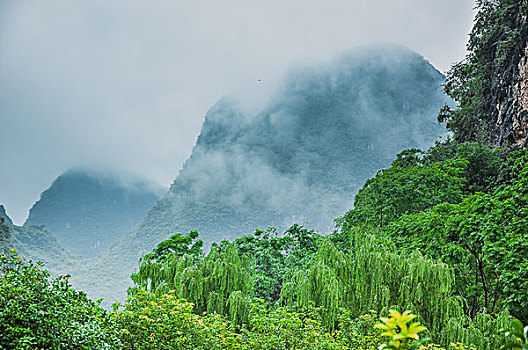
[
  {"x": 403, "y": 334},
  {"x": 37, "y": 312},
  {"x": 221, "y": 282},
  {"x": 156, "y": 322},
  {"x": 484, "y": 239},
  {"x": 519, "y": 333}
]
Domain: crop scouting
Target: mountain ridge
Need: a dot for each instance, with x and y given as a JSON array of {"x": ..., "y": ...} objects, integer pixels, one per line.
[
  {"x": 300, "y": 159},
  {"x": 88, "y": 210}
]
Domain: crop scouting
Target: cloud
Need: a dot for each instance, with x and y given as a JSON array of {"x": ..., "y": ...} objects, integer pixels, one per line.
[{"x": 125, "y": 84}]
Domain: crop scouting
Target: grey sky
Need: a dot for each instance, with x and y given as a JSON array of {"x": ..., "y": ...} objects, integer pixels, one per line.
[{"x": 124, "y": 84}]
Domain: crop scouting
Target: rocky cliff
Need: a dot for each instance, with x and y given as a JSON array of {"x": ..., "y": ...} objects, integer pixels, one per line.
[
  {"x": 507, "y": 112},
  {"x": 6, "y": 241},
  {"x": 491, "y": 84}
]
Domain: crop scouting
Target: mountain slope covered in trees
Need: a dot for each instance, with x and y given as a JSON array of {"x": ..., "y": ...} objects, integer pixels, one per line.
[
  {"x": 300, "y": 159},
  {"x": 88, "y": 211},
  {"x": 6, "y": 241},
  {"x": 38, "y": 244}
]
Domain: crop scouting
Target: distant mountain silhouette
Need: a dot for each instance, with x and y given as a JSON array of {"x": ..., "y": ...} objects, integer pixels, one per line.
[
  {"x": 89, "y": 211},
  {"x": 301, "y": 159}
]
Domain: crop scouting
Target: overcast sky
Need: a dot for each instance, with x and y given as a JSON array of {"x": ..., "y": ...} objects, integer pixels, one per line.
[{"x": 125, "y": 84}]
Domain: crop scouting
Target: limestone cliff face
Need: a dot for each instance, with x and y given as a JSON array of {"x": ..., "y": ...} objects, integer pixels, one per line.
[{"x": 507, "y": 113}]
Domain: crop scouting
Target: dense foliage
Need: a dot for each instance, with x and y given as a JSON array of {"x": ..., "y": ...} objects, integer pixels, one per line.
[
  {"x": 37, "y": 312},
  {"x": 483, "y": 238},
  {"x": 407, "y": 187},
  {"x": 441, "y": 232}
]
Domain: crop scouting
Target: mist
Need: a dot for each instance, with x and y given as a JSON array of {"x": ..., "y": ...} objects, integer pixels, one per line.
[
  {"x": 126, "y": 84},
  {"x": 301, "y": 158}
]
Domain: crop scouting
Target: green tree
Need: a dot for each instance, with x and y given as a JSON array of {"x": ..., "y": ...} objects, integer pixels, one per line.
[
  {"x": 483, "y": 238},
  {"x": 37, "y": 312},
  {"x": 273, "y": 255},
  {"x": 178, "y": 244},
  {"x": 408, "y": 186}
]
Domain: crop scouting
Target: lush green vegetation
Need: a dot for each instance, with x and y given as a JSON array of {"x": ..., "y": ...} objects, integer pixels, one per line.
[
  {"x": 426, "y": 235},
  {"x": 37, "y": 312},
  {"x": 441, "y": 232}
]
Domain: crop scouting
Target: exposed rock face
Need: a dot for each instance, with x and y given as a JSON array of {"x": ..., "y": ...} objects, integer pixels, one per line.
[
  {"x": 520, "y": 98},
  {"x": 3, "y": 215},
  {"x": 507, "y": 115}
]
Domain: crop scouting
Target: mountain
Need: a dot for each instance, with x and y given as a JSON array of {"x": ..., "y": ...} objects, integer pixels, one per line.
[
  {"x": 6, "y": 240},
  {"x": 37, "y": 244},
  {"x": 300, "y": 159},
  {"x": 304, "y": 156},
  {"x": 88, "y": 211}
]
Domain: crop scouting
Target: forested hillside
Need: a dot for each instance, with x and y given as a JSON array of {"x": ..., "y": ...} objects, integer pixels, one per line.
[
  {"x": 88, "y": 211},
  {"x": 300, "y": 159},
  {"x": 6, "y": 241},
  {"x": 303, "y": 157},
  {"x": 432, "y": 254},
  {"x": 38, "y": 244}
]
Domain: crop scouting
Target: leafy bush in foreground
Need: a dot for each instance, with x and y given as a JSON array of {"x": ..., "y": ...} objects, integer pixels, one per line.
[{"x": 37, "y": 312}]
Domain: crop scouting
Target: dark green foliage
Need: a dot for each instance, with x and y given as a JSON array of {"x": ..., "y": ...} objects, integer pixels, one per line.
[
  {"x": 274, "y": 255},
  {"x": 486, "y": 169},
  {"x": 408, "y": 186},
  {"x": 484, "y": 238},
  {"x": 39, "y": 313},
  {"x": 178, "y": 245}
]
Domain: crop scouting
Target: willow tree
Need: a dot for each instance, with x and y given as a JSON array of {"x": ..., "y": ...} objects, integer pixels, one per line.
[
  {"x": 221, "y": 282},
  {"x": 373, "y": 277}
]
